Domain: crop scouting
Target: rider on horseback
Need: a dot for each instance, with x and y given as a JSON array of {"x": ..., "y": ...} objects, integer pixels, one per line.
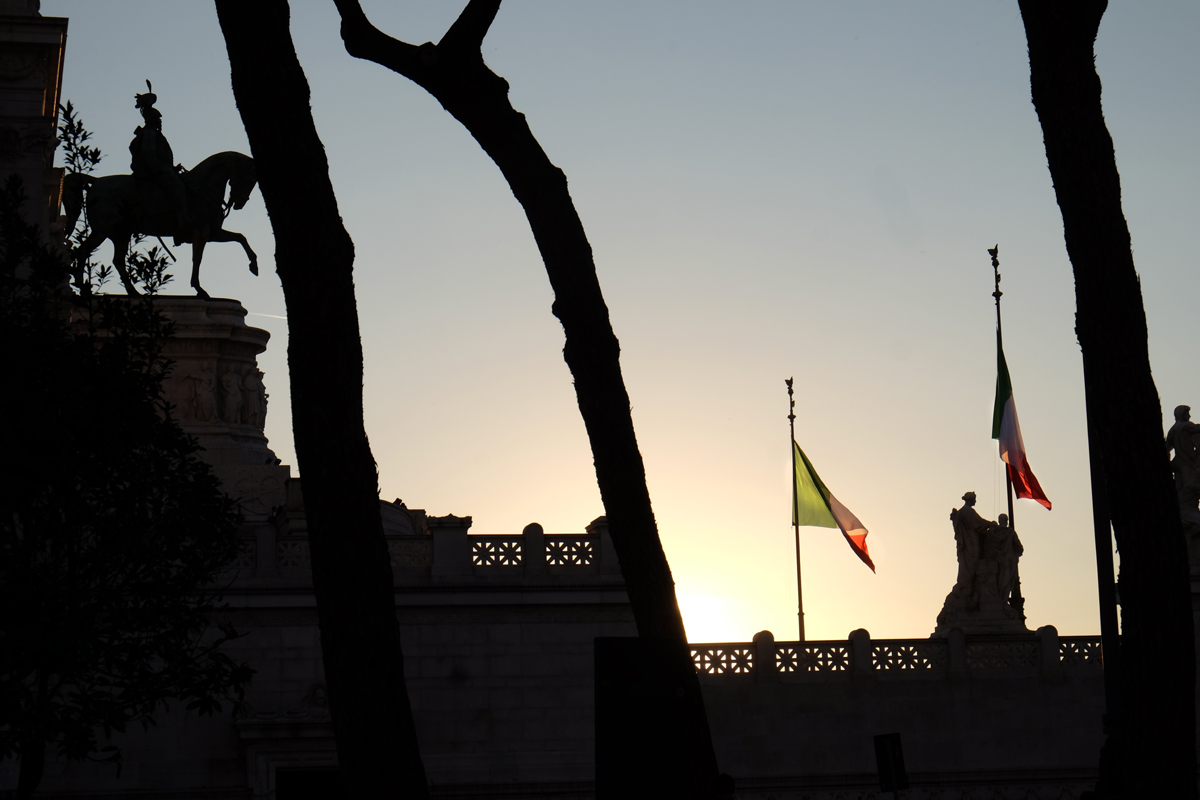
[{"x": 154, "y": 161}]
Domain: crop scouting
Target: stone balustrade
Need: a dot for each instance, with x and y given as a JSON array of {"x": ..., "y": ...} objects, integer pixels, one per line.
[
  {"x": 861, "y": 657},
  {"x": 426, "y": 549}
]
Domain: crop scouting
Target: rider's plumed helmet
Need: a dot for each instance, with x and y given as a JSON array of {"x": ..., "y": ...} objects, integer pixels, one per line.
[{"x": 145, "y": 100}]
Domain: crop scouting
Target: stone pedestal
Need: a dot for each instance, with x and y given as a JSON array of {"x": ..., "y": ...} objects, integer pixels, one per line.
[
  {"x": 990, "y": 614},
  {"x": 219, "y": 396}
]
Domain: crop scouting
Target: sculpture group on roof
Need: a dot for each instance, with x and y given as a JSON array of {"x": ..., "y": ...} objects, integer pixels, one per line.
[{"x": 986, "y": 595}]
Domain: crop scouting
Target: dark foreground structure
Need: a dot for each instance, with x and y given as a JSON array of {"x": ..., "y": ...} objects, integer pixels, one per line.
[{"x": 498, "y": 634}]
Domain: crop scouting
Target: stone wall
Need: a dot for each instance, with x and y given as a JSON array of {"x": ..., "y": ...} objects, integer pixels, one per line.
[
  {"x": 497, "y": 634},
  {"x": 979, "y": 716}
]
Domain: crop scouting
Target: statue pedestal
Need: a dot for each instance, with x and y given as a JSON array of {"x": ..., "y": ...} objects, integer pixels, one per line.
[
  {"x": 219, "y": 396},
  {"x": 993, "y": 616}
]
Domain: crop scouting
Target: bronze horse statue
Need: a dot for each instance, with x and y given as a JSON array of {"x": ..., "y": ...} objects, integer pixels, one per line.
[{"x": 120, "y": 206}]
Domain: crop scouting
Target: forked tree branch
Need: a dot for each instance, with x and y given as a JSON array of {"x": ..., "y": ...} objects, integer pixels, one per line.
[
  {"x": 455, "y": 74},
  {"x": 364, "y": 40},
  {"x": 466, "y": 34},
  {"x": 462, "y": 42}
]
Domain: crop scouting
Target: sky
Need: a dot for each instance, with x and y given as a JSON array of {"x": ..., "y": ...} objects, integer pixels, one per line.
[{"x": 771, "y": 188}]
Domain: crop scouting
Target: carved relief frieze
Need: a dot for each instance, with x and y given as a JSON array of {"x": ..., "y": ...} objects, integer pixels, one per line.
[
  {"x": 410, "y": 553},
  {"x": 17, "y": 66},
  {"x": 198, "y": 401},
  {"x": 247, "y": 556},
  {"x": 231, "y": 397},
  {"x": 17, "y": 140},
  {"x": 993, "y": 655},
  {"x": 293, "y": 555},
  {"x": 258, "y": 490},
  {"x": 205, "y": 348},
  {"x": 254, "y": 398},
  {"x": 314, "y": 705}
]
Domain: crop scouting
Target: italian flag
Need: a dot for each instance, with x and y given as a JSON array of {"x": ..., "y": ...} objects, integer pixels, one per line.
[
  {"x": 1006, "y": 428},
  {"x": 812, "y": 504}
]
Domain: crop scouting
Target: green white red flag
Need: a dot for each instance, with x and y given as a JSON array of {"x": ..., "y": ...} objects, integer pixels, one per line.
[
  {"x": 1006, "y": 428},
  {"x": 813, "y": 504}
]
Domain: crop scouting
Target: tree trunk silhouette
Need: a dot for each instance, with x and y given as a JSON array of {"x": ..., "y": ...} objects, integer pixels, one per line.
[
  {"x": 1155, "y": 739},
  {"x": 453, "y": 71},
  {"x": 352, "y": 579}
]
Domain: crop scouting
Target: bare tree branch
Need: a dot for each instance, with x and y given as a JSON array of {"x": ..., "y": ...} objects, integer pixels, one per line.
[
  {"x": 456, "y": 75},
  {"x": 467, "y": 33},
  {"x": 363, "y": 40}
]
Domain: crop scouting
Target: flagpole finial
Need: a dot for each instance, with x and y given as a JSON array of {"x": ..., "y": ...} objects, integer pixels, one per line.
[
  {"x": 994, "y": 252},
  {"x": 791, "y": 399}
]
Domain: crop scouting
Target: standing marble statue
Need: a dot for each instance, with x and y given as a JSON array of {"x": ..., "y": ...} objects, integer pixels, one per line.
[
  {"x": 988, "y": 552},
  {"x": 969, "y": 532},
  {"x": 1184, "y": 439}
]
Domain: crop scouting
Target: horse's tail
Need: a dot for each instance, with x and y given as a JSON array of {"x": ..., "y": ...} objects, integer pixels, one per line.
[{"x": 74, "y": 185}]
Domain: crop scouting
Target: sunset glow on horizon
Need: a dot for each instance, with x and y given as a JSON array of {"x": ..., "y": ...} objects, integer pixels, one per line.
[{"x": 771, "y": 189}]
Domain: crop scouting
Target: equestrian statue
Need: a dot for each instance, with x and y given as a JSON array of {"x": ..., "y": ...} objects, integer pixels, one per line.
[{"x": 159, "y": 199}]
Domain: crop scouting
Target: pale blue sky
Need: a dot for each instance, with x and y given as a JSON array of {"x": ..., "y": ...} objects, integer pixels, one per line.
[{"x": 770, "y": 189}]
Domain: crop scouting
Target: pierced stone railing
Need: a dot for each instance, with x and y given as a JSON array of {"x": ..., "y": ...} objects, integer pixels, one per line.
[
  {"x": 909, "y": 655},
  {"x": 496, "y": 551},
  {"x": 571, "y": 549},
  {"x": 807, "y": 657},
  {"x": 719, "y": 659},
  {"x": 540, "y": 553},
  {"x": 1080, "y": 651},
  {"x": 557, "y": 550},
  {"x": 958, "y": 656}
]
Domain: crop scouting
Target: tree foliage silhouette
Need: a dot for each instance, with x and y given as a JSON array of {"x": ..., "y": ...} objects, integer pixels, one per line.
[
  {"x": 454, "y": 72},
  {"x": 1156, "y": 734},
  {"x": 377, "y": 746},
  {"x": 113, "y": 532}
]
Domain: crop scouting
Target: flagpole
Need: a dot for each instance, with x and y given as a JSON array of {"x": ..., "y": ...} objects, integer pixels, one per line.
[
  {"x": 1017, "y": 600},
  {"x": 795, "y": 507},
  {"x": 995, "y": 254}
]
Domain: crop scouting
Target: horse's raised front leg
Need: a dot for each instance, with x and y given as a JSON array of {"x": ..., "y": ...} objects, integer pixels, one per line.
[
  {"x": 233, "y": 236},
  {"x": 120, "y": 248},
  {"x": 197, "y": 256}
]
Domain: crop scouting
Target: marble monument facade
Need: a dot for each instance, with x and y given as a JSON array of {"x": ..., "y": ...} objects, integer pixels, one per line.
[{"x": 498, "y": 634}]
